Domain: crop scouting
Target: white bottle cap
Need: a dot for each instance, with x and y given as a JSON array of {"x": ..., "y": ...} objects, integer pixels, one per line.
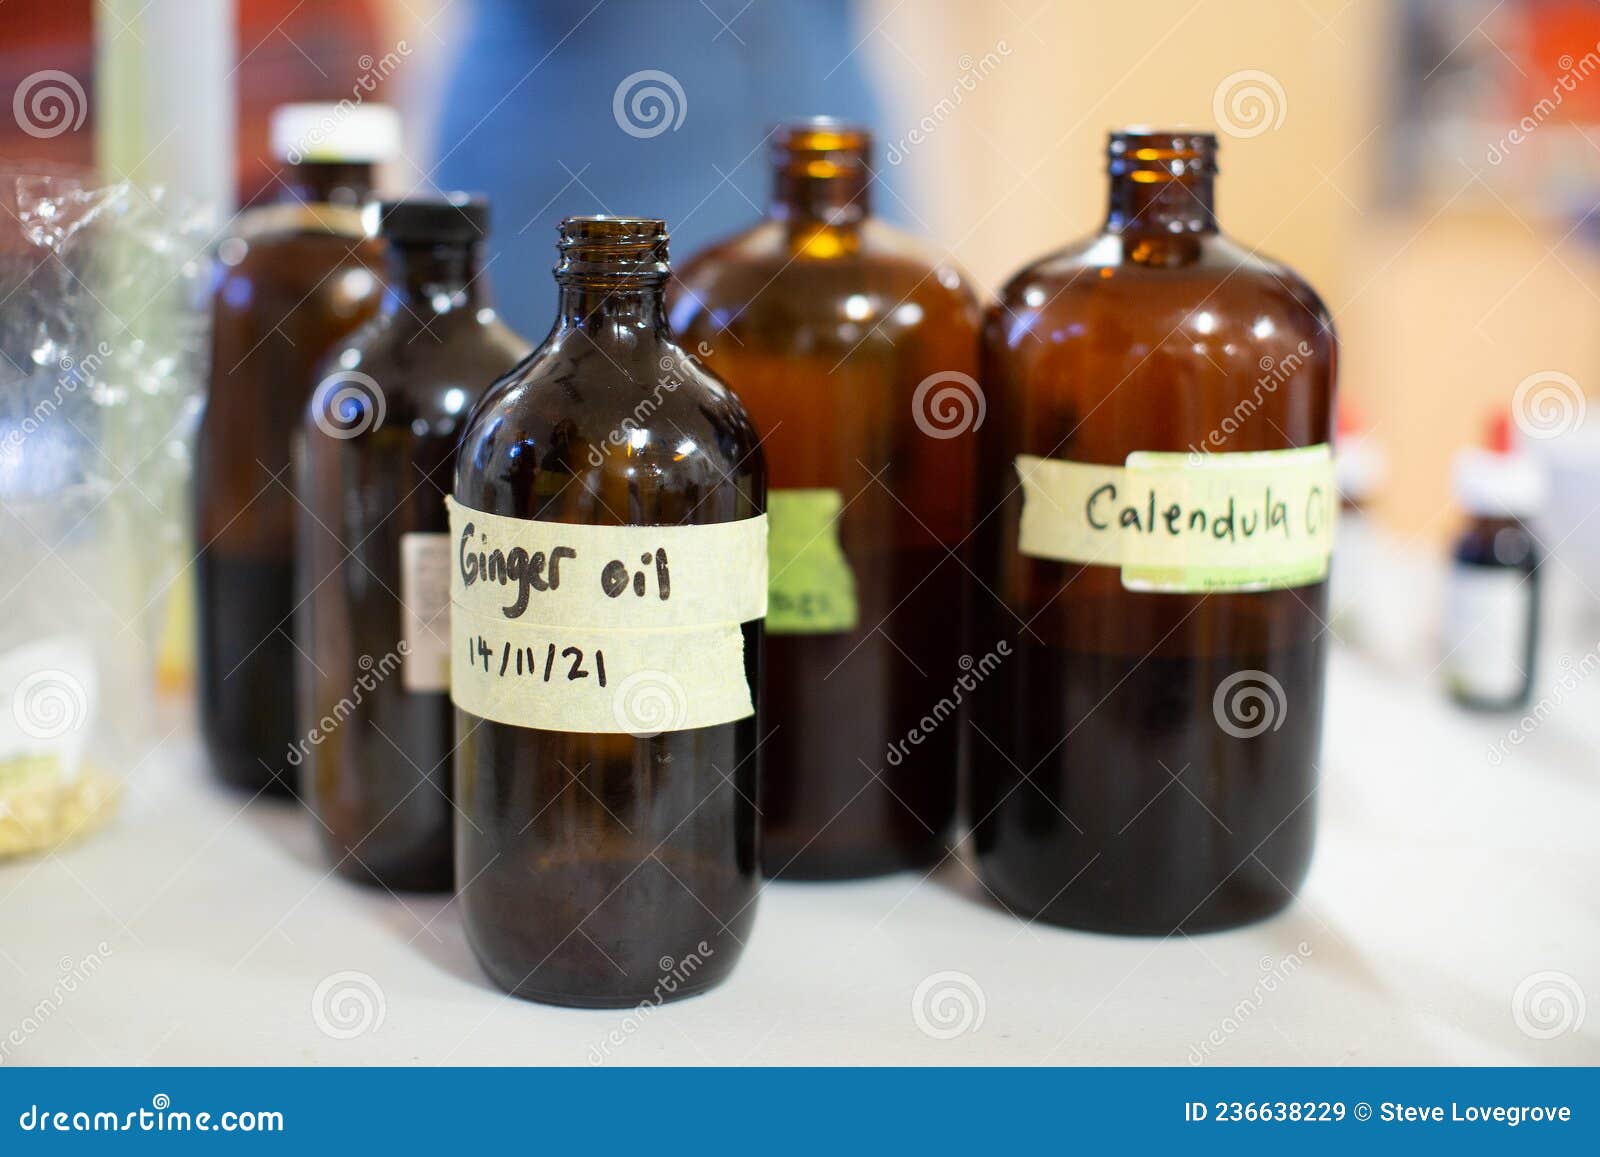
[
  {"x": 337, "y": 133},
  {"x": 1496, "y": 485}
]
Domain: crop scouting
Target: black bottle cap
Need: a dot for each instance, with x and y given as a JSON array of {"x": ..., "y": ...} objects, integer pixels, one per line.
[{"x": 455, "y": 218}]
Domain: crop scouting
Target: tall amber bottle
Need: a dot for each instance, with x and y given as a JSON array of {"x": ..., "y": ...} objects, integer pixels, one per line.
[
  {"x": 855, "y": 353},
  {"x": 297, "y": 277},
  {"x": 376, "y": 458},
  {"x": 608, "y": 582},
  {"x": 1156, "y": 506}
]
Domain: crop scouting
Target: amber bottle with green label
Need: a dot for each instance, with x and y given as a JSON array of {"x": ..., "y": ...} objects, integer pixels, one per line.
[
  {"x": 856, "y": 354},
  {"x": 1156, "y": 510},
  {"x": 608, "y": 579}
]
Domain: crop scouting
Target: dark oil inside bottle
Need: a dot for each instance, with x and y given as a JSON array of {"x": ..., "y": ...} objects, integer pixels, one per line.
[
  {"x": 605, "y": 870},
  {"x": 1147, "y": 761},
  {"x": 826, "y": 321},
  {"x": 299, "y": 279},
  {"x": 377, "y": 457}
]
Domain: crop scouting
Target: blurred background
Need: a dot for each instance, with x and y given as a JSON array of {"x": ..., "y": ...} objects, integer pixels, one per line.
[{"x": 1430, "y": 167}]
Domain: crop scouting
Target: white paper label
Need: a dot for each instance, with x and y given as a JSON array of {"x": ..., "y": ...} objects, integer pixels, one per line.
[
  {"x": 603, "y": 629},
  {"x": 425, "y": 611},
  {"x": 1486, "y": 631}
]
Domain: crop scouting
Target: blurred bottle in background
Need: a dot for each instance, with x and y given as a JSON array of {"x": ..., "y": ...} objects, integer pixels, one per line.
[
  {"x": 1491, "y": 624},
  {"x": 376, "y": 457},
  {"x": 1355, "y": 571},
  {"x": 855, "y": 354},
  {"x": 297, "y": 276}
]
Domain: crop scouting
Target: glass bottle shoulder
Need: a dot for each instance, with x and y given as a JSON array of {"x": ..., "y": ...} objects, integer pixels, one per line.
[
  {"x": 579, "y": 418},
  {"x": 1148, "y": 291},
  {"x": 425, "y": 371},
  {"x": 770, "y": 280},
  {"x": 325, "y": 271}
]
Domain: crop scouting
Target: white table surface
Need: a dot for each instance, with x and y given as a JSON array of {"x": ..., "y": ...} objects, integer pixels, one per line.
[{"x": 1441, "y": 884}]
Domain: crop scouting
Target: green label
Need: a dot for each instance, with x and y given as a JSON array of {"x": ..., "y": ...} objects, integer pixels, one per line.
[{"x": 811, "y": 589}]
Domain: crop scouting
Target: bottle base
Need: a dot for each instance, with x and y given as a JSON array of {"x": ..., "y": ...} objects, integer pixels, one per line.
[{"x": 1221, "y": 915}]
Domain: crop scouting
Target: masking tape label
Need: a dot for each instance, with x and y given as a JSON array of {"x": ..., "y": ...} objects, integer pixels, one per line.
[
  {"x": 1186, "y": 522},
  {"x": 812, "y": 590},
  {"x": 603, "y": 629},
  {"x": 425, "y": 611}
]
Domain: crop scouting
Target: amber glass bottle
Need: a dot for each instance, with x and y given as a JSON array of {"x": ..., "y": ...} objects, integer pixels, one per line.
[
  {"x": 299, "y": 276},
  {"x": 1146, "y": 762},
  {"x": 376, "y": 459},
  {"x": 855, "y": 353},
  {"x": 608, "y": 586}
]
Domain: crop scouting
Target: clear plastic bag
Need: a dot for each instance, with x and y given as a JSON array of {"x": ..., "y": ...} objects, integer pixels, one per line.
[{"x": 103, "y": 339}]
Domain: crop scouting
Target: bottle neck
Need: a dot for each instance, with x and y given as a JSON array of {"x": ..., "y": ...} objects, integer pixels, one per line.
[
  {"x": 841, "y": 200},
  {"x": 620, "y": 309},
  {"x": 435, "y": 278},
  {"x": 327, "y": 183},
  {"x": 1145, "y": 202}
]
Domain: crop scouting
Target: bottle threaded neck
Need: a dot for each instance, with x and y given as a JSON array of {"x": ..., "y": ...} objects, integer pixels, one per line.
[
  {"x": 613, "y": 250},
  {"x": 1162, "y": 181},
  {"x": 821, "y": 171}
]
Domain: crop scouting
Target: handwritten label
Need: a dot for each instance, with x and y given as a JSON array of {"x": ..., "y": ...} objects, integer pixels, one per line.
[
  {"x": 603, "y": 629},
  {"x": 812, "y": 590},
  {"x": 1186, "y": 522}
]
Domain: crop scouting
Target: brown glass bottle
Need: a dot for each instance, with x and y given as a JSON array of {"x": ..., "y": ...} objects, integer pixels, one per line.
[
  {"x": 1146, "y": 763},
  {"x": 299, "y": 277},
  {"x": 597, "y": 868},
  {"x": 855, "y": 353},
  {"x": 376, "y": 458}
]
